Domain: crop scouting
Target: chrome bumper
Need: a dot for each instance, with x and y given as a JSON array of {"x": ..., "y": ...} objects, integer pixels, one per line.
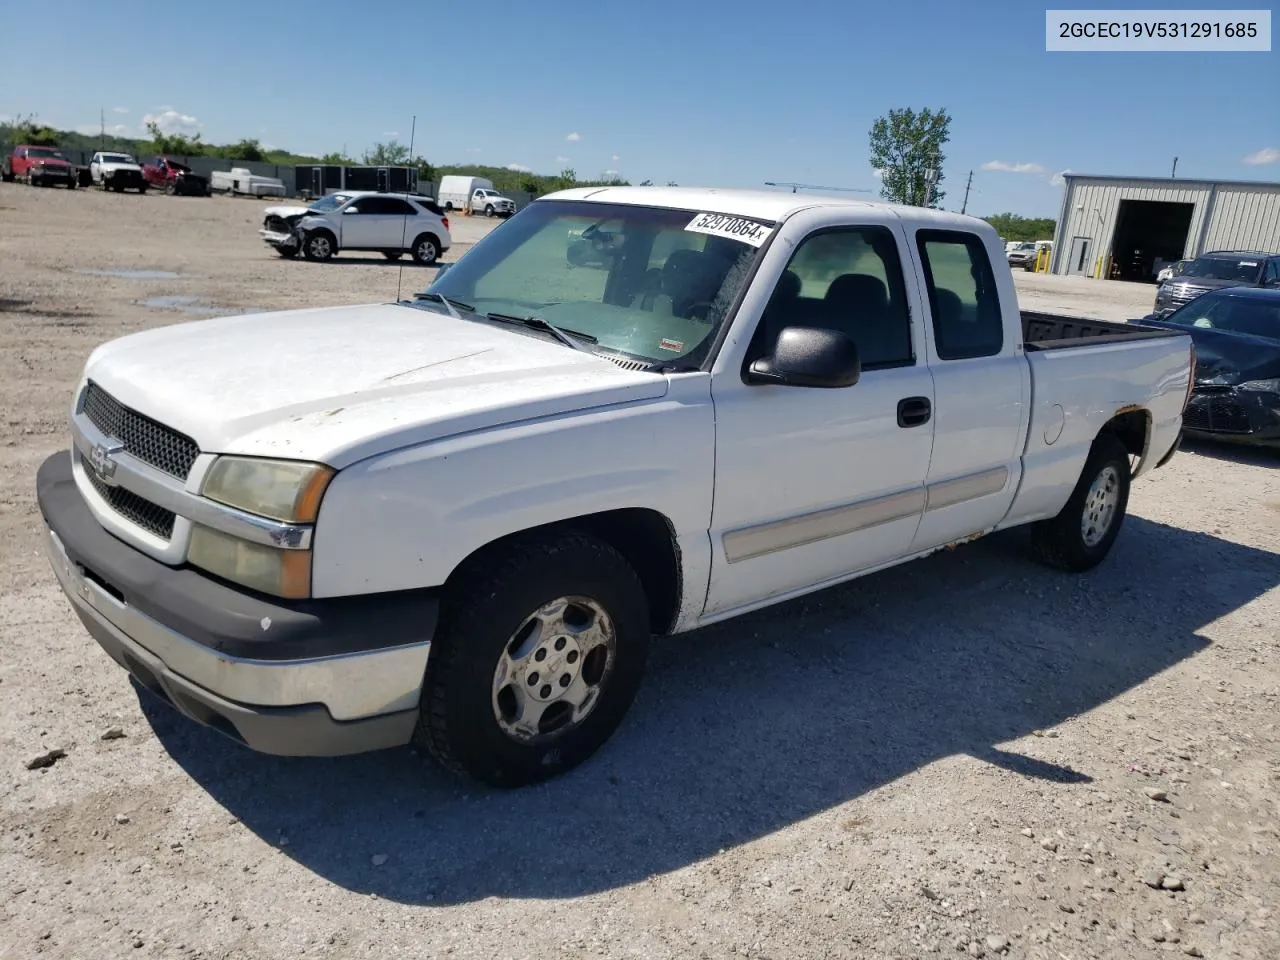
[{"x": 333, "y": 705}]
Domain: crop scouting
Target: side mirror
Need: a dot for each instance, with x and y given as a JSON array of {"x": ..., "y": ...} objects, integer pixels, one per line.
[
  {"x": 350, "y": 210},
  {"x": 809, "y": 357}
]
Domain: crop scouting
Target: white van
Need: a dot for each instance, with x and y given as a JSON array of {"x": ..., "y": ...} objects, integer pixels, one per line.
[{"x": 474, "y": 194}]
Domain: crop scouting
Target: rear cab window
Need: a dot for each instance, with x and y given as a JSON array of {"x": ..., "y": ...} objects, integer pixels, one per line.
[{"x": 963, "y": 301}]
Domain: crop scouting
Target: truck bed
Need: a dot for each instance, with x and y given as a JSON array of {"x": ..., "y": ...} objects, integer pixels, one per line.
[{"x": 1052, "y": 331}]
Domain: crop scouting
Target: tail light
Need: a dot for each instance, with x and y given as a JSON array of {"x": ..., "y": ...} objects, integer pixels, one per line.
[
  {"x": 445, "y": 221},
  {"x": 1191, "y": 378}
]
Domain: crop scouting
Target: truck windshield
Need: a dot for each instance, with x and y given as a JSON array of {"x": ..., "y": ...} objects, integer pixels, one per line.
[
  {"x": 44, "y": 153},
  {"x": 117, "y": 158},
  {"x": 655, "y": 284},
  {"x": 1244, "y": 270}
]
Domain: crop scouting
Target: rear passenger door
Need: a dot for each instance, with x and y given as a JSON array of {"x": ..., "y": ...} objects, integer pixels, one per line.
[
  {"x": 981, "y": 389},
  {"x": 812, "y": 485}
]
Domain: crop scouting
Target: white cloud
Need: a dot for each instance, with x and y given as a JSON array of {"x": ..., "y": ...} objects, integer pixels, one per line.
[
  {"x": 1265, "y": 155},
  {"x": 93, "y": 129},
  {"x": 562, "y": 159},
  {"x": 119, "y": 109},
  {"x": 1057, "y": 179},
  {"x": 391, "y": 133},
  {"x": 171, "y": 121},
  {"x": 615, "y": 158},
  {"x": 575, "y": 137},
  {"x": 611, "y": 173},
  {"x": 474, "y": 150},
  {"x": 1004, "y": 167},
  {"x": 877, "y": 173},
  {"x": 519, "y": 168}
]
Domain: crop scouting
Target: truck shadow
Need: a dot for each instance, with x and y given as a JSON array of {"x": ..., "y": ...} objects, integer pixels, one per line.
[{"x": 747, "y": 727}]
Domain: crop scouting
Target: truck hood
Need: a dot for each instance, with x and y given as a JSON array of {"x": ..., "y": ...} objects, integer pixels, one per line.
[
  {"x": 49, "y": 162},
  {"x": 113, "y": 166},
  {"x": 341, "y": 384}
]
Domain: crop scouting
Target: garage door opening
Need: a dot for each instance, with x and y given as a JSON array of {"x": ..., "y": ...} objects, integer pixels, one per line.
[{"x": 1148, "y": 233}]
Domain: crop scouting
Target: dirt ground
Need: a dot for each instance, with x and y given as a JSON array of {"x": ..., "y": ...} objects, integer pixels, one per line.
[{"x": 966, "y": 756}]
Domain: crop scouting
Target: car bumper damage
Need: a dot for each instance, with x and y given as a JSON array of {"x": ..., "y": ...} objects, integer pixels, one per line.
[
  {"x": 1234, "y": 413},
  {"x": 295, "y": 678}
]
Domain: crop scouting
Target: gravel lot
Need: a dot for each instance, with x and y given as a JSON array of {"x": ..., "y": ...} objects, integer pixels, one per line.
[{"x": 966, "y": 756}]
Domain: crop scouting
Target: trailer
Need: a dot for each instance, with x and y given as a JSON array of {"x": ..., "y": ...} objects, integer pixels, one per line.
[{"x": 242, "y": 181}]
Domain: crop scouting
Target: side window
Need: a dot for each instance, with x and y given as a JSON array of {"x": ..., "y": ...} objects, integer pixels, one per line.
[
  {"x": 962, "y": 295},
  {"x": 400, "y": 208},
  {"x": 847, "y": 279},
  {"x": 1273, "y": 274}
]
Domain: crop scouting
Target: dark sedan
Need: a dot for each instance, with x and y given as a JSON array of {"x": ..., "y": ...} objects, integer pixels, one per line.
[{"x": 1236, "y": 332}]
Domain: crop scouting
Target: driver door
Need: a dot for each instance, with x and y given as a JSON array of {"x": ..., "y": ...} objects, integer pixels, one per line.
[
  {"x": 815, "y": 484},
  {"x": 364, "y": 223}
]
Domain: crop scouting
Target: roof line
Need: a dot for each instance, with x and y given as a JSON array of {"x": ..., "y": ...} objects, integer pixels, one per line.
[{"x": 1173, "y": 180}]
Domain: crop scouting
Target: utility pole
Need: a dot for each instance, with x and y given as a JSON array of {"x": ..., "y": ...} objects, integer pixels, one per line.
[
  {"x": 965, "y": 206},
  {"x": 102, "y": 136},
  {"x": 1173, "y": 173}
]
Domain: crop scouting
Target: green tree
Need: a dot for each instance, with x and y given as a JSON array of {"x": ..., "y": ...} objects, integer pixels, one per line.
[
  {"x": 904, "y": 145},
  {"x": 389, "y": 154},
  {"x": 29, "y": 131},
  {"x": 646, "y": 183},
  {"x": 337, "y": 159},
  {"x": 530, "y": 185},
  {"x": 426, "y": 172},
  {"x": 1011, "y": 226},
  {"x": 244, "y": 150},
  {"x": 177, "y": 144}
]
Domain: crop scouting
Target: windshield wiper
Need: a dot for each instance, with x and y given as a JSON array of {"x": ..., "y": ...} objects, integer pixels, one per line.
[
  {"x": 450, "y": 305},
  {"x": 570, "y": 338}
]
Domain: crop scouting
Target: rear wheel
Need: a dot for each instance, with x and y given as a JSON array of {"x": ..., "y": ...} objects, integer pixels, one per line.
[
  {"x": 1081, "y": 535},
  {"x": 538, "y": 656},
  {"x": 426, "y": 249}
]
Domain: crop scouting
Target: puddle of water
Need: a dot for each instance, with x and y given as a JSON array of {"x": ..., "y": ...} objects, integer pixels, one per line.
[
  {"x": 134, "y": 274},
  {"x": 193, "y": 306}
]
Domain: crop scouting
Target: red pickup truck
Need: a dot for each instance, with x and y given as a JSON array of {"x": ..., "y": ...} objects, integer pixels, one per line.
[
  {"x": 175, "y": 178},
  {"x": 40, "y": 167}
]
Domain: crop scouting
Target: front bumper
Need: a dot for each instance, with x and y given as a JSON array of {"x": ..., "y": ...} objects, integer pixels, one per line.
[
  {"x": 1231, "y": 413},
  {"x": 278, "y": 238},
  {"x": 305, "y": 678},
  {"x": 128, "y": 179}
]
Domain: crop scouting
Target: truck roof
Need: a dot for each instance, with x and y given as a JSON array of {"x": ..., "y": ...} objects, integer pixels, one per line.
[{"x": 758, "y": 204}]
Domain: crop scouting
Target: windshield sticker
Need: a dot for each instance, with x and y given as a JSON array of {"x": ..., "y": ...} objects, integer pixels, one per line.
[
  {"x": 675, "y": 346},
  {"x": 1248, "y": 263},
  {"x": 735, "y": 228}
]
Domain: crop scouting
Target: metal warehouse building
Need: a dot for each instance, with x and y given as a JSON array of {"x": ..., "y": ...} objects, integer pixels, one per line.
[{"x": 1127, "y": 228}]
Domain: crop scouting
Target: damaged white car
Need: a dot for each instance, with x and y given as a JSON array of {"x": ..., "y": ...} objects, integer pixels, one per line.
[{"x": 390, "y": 224}]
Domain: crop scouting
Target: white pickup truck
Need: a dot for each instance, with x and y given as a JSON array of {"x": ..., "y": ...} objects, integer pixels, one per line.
[{"x": 457, "y": 520}]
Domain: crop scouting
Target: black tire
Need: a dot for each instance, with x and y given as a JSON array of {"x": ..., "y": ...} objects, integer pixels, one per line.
[
  {"x": 142, "y": 189},
  {"x": 393, "y": 254},
  {"x": 425, "y": 249},
  {"x": 1061, "y": 542},
  {"x": 6, "y": 175},
  {"x": 71, "y": 184},
  {"x": 488, "y": 210},
  {"x": 170, "y": 189},
  {"x": 320, "y": 245},
  {"x": 449, "y": 207},
  {"x": 287, "y": 252},
  {"x": 486, "y": 604}
]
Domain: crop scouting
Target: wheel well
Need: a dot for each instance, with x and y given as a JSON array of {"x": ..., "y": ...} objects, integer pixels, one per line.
[
  {"x": 327, "y": 232},
  {"x": 645, "y": 539},
  {"x": 430, "y": 236},
  {"x": 1132, "y": 428}
]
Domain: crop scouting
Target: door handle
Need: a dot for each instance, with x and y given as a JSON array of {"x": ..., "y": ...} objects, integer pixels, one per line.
[{"x": 914, "y": 411}]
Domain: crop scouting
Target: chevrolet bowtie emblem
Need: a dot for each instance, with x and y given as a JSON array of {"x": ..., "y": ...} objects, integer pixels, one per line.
[{"x": 102, "y": 462}]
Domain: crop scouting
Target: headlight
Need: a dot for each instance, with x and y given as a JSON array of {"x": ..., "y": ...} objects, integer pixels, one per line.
[
  {"x": 282, "y": 573},
  {"x": 285, "y": 490},
  {"x": 1262, "y": 386}
]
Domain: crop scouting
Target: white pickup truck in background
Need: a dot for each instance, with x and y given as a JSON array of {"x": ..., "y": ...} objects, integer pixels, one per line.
[
  {"x": 475, "y": 195},
  {"x": 459, "y": 519}
]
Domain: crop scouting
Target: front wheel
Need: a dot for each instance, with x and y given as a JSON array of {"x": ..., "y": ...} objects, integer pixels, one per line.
[
  {"x": 1081, "y": 535},
  {"x": 488, "y": 210},
  {"x": 170, "y": 189},
  {"x": 287, "y": 252},
  {"x": 317, "y": 246},
  {"x": 537, "y": 658}
]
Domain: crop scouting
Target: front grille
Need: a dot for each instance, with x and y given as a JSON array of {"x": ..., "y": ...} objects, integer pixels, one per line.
[
  {"x": 1216, "y": 413},
  {"x": 1185, "y": 294},
  {"x": 276, "y": 224},
  {"x": 143, "y": 513},
  {"x": 150, "y": 442}
]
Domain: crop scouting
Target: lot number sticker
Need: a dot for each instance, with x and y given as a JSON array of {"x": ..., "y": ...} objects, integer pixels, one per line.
[{"x": 735, "y": 228}]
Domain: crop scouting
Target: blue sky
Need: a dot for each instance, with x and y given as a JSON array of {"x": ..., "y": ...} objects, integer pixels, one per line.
[{"x": 698, "y": 91}]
